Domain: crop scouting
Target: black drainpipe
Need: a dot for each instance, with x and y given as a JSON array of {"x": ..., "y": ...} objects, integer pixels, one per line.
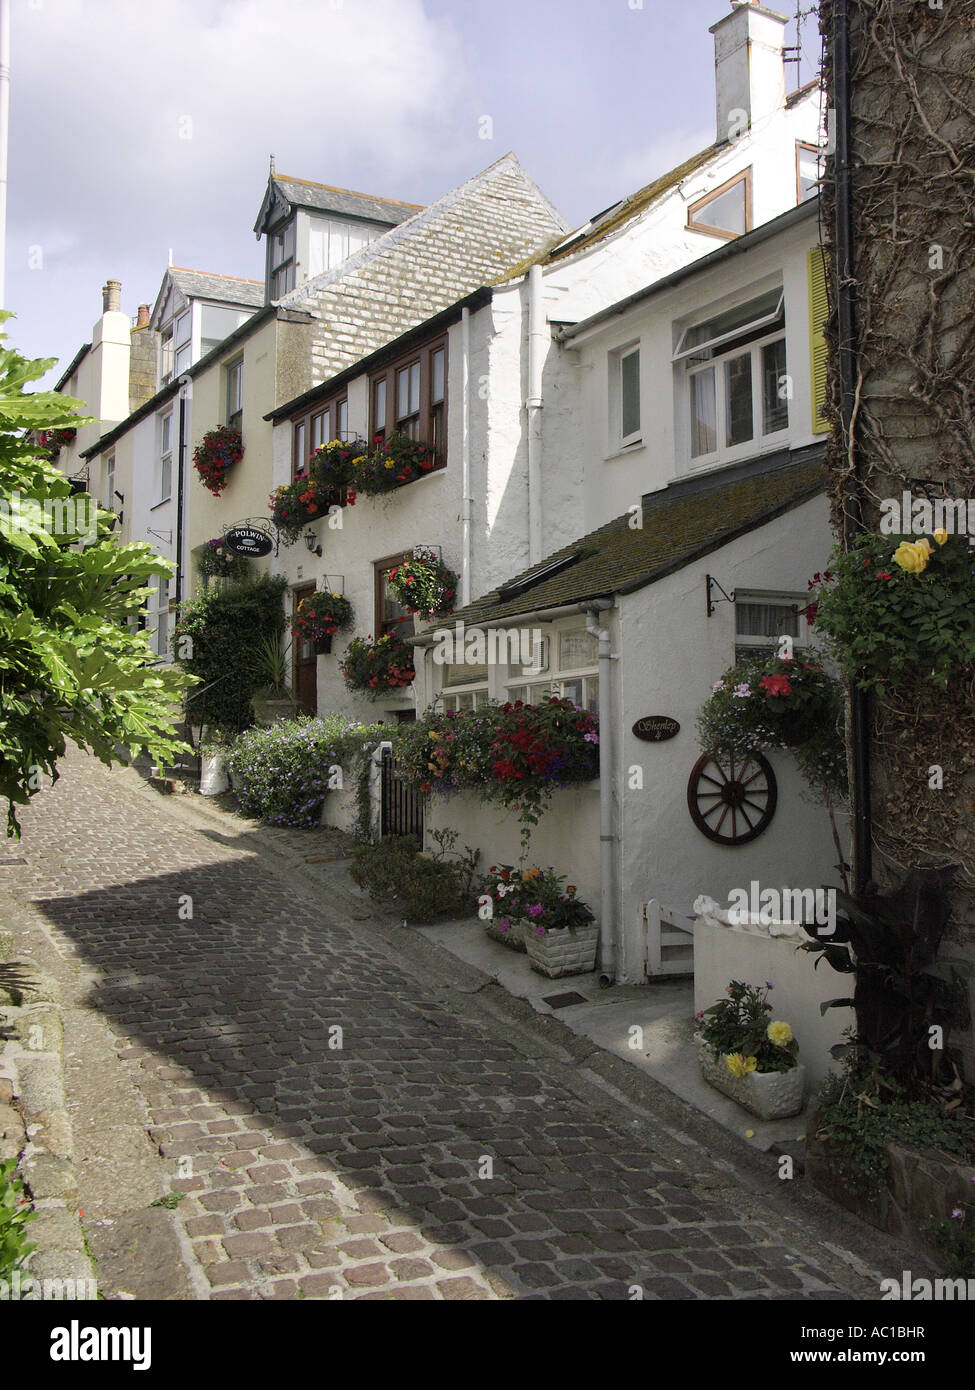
[
  {"x": 847, "y": 362},
  {"x": 179, "y": 492}
]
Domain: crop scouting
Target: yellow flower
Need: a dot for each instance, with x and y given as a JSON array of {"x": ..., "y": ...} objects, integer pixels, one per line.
[
  {"x": 779, "y": 1033},
  {"x": 941, "y": 535},
  {"x": 739, "y": 1065},
  {"x": 389, "y": 464},
  {"x": 529, "y": 874},
  {"x": 912, "y": 556}
]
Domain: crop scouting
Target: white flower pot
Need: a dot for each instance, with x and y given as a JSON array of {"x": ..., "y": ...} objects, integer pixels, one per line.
[
  {"x": 771, "y": 1095},
  {"x": 213, "y": 774},
  {"x": 562, "y": 950}
]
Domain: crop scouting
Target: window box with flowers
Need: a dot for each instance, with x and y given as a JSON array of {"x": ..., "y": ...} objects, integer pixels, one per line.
[
  {"x": 336, "y": 464},
  {"x": 319, "y": 617},
  {"x": 294, "y": 505},
  {"x": 391, "y": 464},
  {"x": 215, "y": 455},
  {"x": 747, "y": 1056},
  {"x": 218, "y": 561},
  {"x": 377, "y": 667},
  {"x": 424, "y": 584}
]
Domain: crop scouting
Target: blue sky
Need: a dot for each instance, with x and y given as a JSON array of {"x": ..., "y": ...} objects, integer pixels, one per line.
[{"x": 137, "y": 128}]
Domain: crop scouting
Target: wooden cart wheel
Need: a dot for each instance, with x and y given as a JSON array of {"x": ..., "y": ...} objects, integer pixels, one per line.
[{"x": 731, "y": 800}]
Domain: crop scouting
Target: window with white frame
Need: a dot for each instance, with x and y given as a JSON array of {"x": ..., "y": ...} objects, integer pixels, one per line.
[
  {"x": 732, "y": 378},
  {"x": 235, "y": 393},
  {"x": 567, "y": 664},
  {"x": 809, "y": 170},
  {"x": 624, "y": 397},
  {"x": 110, "y": 482},
  {"x": 763, "y": 619},
  {"x": 158, "y": 617},
  {"x": 164, "y": 467},
  {"x": 281, "y": 260},
  {"x": 464, "y": 686}
]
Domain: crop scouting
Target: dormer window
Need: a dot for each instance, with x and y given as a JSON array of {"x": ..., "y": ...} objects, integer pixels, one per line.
[
  {"x": 727, "y": 212},
  {"x": 281, "y": 270}
]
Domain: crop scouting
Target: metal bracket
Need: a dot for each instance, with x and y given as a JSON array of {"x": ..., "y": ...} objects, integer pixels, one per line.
[{"x": 712, "y": 583}]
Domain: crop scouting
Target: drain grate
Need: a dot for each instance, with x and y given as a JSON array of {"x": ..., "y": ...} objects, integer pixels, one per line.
[{"x": 562, "y": 1001}]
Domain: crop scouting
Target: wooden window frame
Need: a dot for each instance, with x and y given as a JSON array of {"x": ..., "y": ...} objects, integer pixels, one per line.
[
  {"x": 379, "y": 568},
  {"x": 804, "y": 145},
  {"x": 273, "y": 271},
  {"x": 332, "y": 405},
  {"x": 745, "y": 176},
  {"x": 426, "y": 430},
  {"x": 235, "y": 418}
]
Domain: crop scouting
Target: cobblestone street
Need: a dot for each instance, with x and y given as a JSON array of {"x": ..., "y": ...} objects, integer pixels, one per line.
[{"x": 417, "y": 1154}]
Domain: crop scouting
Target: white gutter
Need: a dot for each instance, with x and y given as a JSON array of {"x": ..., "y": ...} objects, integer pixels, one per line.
[
  {"x": 537, "y": 346},
  {"x": 534, "y": 615},
  {"x": 465, "y": 456},
  {"x": 608, "y": 923}
]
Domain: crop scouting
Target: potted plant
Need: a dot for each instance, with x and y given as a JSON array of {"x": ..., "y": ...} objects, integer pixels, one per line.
[
  {"x": 504, "y": 921},
  {"x": 319, "y": 617},
  {"x": 273, "y": 699},
  {"x": 215, "y": 746},
  {"x": 375, "y": 667},
  {"x": 561, "y": 934},
  {"x": 218, "y": 561},
  {"x": 335, "y": 465},
  {"x": 424, "y": 584},
  {"x": 392, "y": 463},
  {"x": 748, "y": 1057},
  {"x": 293, "y": 505},
  {"x": 215, "y": 455}
]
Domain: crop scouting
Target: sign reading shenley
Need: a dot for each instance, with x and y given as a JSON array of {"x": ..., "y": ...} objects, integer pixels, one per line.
[
  {"x": 248, "y": 540},
  {"x": 656, "y": 728}
]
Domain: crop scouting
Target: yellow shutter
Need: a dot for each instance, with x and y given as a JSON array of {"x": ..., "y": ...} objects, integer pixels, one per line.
[{"x": 818, "y": 313}]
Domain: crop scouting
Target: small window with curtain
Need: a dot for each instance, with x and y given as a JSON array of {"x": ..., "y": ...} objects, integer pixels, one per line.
[{"x": 763, "y": 619}]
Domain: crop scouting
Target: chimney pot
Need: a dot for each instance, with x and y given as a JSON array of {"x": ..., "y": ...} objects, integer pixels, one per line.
[
  {"x": 111, "y": 296},
  {"x": 143, "y": 319}
]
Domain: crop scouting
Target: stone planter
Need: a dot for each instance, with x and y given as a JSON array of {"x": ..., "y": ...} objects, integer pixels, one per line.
[
  {"x": 562, "y": 951},
  {"x": 268, "y": 710},
  {"x": 514, "y": 937},
  {"x": 214, "y": 777},
  {"x": 771, "y": 1095}
]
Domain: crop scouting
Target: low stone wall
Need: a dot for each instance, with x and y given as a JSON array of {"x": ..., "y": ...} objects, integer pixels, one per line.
[
  {"x": 35, "y": 1129},
  {"x": 922, "y": 1186}
]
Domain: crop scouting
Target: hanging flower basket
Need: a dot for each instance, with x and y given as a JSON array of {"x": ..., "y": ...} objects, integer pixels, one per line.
[
  {"x": 215, "y": 455},
  {"x": 53, "y": 441},
  {"x": 375, "y": 667},
  {"x": 424, "y": 584},
  {"x": 294, "y": 505},
  {"x": 218, "y": 561},
  {"x": 319, "y": 617}
]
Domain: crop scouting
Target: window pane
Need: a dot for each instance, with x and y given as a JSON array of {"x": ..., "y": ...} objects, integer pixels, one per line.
[
  {"x": 182, "y": 359},
  {"x": 809, "y": 173},
  {"x": 217, "y": 323},
  {"x": 379, "y": 405},
  {"x": 766, "y": 619},
  {"x": 775, "y": 402},
  {"x": 572, "y": 690},
  {"x": 165, "y": 478},
  {"x": 342, "y": 420},
  {"x": 167, "y": 433},
  {"x": 414, "y": 387},
  {"x": 726, "y": 212},
  {"x": 728, "y": 322},
  {"x": 630, "y": 393},
  {"x": 402, "y": 393},
  {"x": 301, "y": 460},
  {"x": 183, "y": 329},
  {"x": 317, "y": 435},
  {"x": 704, "y": 424},
  {"x": 577, "y": 650},
  {"x": 437, "y": 385},
  {"x": 738, "y": 400}
]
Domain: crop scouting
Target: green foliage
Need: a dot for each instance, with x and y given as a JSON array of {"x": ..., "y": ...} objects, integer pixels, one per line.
[
  {"x": 225, "y": 628},
  {"x": 71, "y": 667},
  {"x": 424, "y": 584},
  {"x": 861, "y": 1111},
  {"x": 777, "y": 702},
  {"x": 374, "y": 667},
  {"x": 15, "y": 1212},
  {"x": 741, "y": 1024},
  {"x": 955, "y": 1238},
  {"x": 218, "y": 561},
  {"x": 891, "y": 941},
  {"x": 282, "y": 775},
  {"x": 423, "y": 887},
  {"x": 888, "y": 624}
]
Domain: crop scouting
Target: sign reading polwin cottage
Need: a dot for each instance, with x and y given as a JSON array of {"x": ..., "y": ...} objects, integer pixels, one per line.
[
  {"x": 248, "y": 540},
  {"x": 656, "y": 728}
]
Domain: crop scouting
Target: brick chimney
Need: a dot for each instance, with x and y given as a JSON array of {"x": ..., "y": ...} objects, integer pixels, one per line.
[
  {"x": 111, "y": 296},
  {"x": 749, "y": 67},
  {"x": 143, "y": 320}
]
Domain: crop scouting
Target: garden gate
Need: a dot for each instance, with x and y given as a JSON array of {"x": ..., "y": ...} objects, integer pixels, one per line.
[{"x": 401, "y": 809}]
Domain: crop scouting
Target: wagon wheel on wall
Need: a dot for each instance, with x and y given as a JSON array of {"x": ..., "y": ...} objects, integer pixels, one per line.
[{"x": 731, "y": 799}]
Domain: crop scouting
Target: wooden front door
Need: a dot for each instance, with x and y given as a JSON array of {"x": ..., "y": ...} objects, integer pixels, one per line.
[{"x": 304, "y": 662}]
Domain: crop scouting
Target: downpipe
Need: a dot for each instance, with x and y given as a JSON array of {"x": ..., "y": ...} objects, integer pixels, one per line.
[{"x": 608, "y": 919}]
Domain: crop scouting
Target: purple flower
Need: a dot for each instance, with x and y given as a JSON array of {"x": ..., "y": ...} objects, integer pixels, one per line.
[
  {"x": 536, "y": 910},
  {"x": 540, "y": 930},
  {"x": 505, "y": 924},
  {"x": 957, "y": 1214}
]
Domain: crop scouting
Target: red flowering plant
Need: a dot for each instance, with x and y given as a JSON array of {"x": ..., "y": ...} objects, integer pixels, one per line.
[
  {"x": 53, "y": 441},
  {"x": 215, "y": 455},
  {"x": 539, "y": 898},
  {"x": 424, "y": 584},
  {"x": 376, "y": 667},
  {"x": 335, "y": 465},
  {"x": 319, "y": 617},
  {"x": 392, "y": 463},
  {"x": 294, "y": 505}
]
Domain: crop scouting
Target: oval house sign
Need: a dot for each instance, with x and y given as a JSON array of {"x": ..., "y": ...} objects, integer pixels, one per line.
[
  {"x": 248, "y": 540},
  {"x": 656, "y": 728}
]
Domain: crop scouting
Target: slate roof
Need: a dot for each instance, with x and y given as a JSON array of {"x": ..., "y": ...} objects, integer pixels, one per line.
[
  {"x": 225, "y": 289},
  {"x": 681, "y": 524},
  {"x": 323, "y": 197}
]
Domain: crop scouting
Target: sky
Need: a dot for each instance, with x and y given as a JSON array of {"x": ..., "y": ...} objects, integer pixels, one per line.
[{"x": 140, "y": 128}]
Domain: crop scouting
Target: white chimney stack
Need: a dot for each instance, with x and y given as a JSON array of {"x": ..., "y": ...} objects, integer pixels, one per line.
[{"x": 749, "y": 67}]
